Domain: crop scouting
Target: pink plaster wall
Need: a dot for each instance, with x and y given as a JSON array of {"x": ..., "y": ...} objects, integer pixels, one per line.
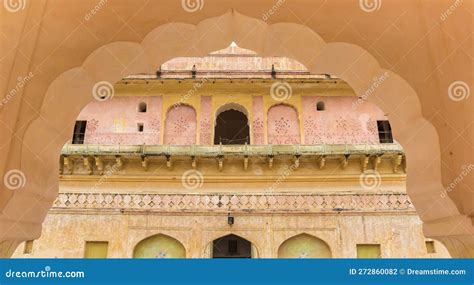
[
  {"x": 180, "y": 127},
  {"x": 283, "y": 126},
  {"x": 206, "y": 128},
  {"x": 115, "y": 120},
  {"x": 258, "y": 121},
  {"x": 339, "y": 123}
]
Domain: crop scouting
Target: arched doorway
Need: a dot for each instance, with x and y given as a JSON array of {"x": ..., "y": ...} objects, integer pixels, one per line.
[
  {"x": 231, "y": 246},
  {"x": 304, "y": 246},
  {"x": 232, "y": 126},
  {"x": 159, "y": 246}
]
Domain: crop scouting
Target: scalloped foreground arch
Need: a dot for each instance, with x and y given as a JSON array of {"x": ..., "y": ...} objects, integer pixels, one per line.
[{"x": 71, "y": 91}]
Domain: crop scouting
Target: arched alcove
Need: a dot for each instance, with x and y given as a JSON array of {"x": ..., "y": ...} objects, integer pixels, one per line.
[
  {"x": 159, "y": 246},
  {"x": 283, "y": 125},
  {"x": 304, "y": 246},
  {"x": 180, "y": 126}
]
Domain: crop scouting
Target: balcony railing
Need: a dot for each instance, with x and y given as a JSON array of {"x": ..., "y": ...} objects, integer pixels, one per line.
[{"x": 232, "y": 150}]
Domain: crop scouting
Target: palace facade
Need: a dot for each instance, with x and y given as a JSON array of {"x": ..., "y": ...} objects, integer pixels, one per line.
[{"x": 231, "y": 155}]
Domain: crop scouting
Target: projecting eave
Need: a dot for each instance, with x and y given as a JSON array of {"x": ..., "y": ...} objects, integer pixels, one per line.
[
  {"x": 358, "y": 157},
  {"x": 305, "y": 86}
]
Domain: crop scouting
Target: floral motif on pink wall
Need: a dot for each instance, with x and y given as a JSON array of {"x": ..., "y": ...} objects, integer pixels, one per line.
[
  {"x": 257, "y": 123},
  {"x": 258, "y": 131},
  {"x": 372, "y": 127},
  {"x": 92, "y": 125},
  {"x": 283, "y": 126},
  {"x": 155, "y": 126},
  {"x": 329, "y": 126},
  {"x": 180, "y": 128},
  {"x": 206, "y": 128},
  {"x": 115, "y": 121}
]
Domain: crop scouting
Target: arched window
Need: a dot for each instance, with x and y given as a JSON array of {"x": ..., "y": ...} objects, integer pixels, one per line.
[
  {"x": 159, "y": 246},
  {"x": 142, "y": 107},
  {"x": 232, "y": 126},
  {"x": 283, "y": 125},
  {"x": 304, "y": 246},
  {"x": 320, "y": 106},
  {"x": 180, "y": 126}
]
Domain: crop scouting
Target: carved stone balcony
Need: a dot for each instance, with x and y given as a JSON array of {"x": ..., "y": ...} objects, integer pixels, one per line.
[
  {"x": 93, "y": 159},
  {"x": 232, "y": 150}
]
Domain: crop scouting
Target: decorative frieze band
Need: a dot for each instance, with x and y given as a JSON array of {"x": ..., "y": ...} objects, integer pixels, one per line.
[{"x": 236, "y": 202}]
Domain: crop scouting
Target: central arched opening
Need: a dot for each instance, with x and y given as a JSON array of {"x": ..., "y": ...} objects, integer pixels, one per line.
[
  {"x": 231, "y": 246},
  {"x": 231, "y": 127}
]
